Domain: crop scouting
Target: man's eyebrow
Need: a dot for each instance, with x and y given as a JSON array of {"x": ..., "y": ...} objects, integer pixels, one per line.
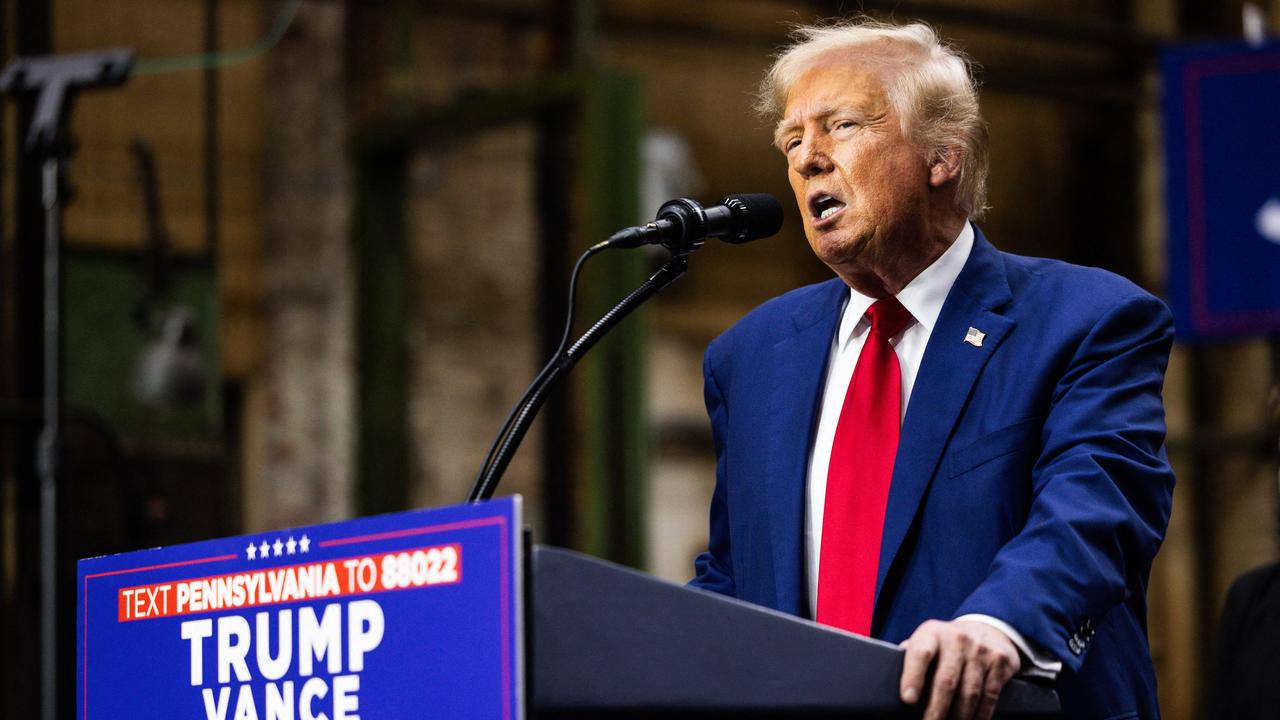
[
  {"x": 787, "y": 125},
  {"x": 784, "y": 126}
]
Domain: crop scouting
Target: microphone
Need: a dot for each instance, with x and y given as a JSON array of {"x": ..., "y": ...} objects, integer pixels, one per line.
[{"x": 682, "y": 224}]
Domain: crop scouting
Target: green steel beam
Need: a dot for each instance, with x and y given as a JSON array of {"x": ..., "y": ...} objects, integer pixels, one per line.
[
  {"x": 381, "y": 151},
  {"x": 614, "y": 426},
  {"x": 613, "y": 441},
  {"x": 382, "y": 314},
  {"x": 470, "y": 115}
]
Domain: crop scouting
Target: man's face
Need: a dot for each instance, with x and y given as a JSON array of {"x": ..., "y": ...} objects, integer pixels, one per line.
[{"x": 861, "y": 186}]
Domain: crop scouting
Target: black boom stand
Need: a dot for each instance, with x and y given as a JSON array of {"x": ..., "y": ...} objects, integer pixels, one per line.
[
  {"x": 508, "y": 440},
  {"x": 54, "y": 80}
]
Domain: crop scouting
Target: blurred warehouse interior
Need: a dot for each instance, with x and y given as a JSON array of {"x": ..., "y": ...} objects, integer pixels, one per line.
[{"x": 316, "y": 249}]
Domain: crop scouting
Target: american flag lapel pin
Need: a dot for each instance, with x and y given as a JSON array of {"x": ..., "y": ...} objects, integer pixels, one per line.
[{"x": 974, "y": 337}]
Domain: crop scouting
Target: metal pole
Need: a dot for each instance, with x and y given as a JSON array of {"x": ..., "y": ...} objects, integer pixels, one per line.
[
  {"x": 211, "y": 168},
  {"x": 47, "y": 460},
  {"x": 54, "y": 79}
]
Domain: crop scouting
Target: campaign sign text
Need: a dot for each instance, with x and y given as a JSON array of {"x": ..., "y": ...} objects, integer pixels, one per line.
[{"x": 410, "y": 615}]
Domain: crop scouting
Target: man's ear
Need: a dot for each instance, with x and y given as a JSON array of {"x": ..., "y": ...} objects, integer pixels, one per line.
[{"x": 945, "y": 165}]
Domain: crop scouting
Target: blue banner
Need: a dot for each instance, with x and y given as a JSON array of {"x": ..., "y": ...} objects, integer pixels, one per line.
[
  {"x": 1222, "y": 151},
  {"x": 410, "y": 615}
]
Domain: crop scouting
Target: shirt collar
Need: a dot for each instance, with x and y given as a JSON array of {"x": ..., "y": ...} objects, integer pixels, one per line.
[{"x": 922, "y": 297}]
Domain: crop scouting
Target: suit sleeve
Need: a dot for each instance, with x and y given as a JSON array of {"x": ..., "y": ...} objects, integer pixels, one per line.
[
  {"x": 1101, "y": 488},
  {"x": 714, "y": 568}
]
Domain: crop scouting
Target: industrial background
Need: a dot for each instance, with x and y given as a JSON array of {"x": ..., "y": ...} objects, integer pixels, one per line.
[{"x": 348, "y": 226}]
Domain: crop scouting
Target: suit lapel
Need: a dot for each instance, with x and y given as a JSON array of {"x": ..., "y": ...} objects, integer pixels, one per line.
[
  {"x": 799, "y": 363},
  {"x": 948, "y": 371}
]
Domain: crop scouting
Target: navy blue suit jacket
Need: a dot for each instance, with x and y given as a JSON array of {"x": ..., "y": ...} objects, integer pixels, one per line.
[{"x": 1030, "y": 483}]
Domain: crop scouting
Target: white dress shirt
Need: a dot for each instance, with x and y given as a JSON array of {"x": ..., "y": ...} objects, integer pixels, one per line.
[{"x": 923, "y": 298}]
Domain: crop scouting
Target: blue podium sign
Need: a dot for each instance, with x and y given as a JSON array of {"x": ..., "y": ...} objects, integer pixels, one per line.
[
  {"x": 410, "y": 615},
  {"x": 1222, "y": 152}
]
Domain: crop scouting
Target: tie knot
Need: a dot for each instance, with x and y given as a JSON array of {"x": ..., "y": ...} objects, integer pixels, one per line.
[{"x": 888, "y": 317}]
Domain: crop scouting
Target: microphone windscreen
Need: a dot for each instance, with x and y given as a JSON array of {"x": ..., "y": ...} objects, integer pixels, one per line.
[{"x": 761, "y": 214}]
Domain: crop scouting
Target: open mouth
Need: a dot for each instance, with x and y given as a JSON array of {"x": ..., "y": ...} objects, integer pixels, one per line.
[{"x": 823, "y": 206}]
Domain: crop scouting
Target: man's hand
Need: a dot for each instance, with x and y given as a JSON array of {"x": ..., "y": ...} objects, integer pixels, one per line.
[{"x": 975, "y": 660}]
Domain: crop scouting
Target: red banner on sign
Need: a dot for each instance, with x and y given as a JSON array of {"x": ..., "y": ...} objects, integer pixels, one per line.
[{"x": 358, "y": 575}]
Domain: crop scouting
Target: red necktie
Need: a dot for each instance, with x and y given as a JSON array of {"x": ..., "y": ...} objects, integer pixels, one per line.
[{"x": 858, "y": 476}]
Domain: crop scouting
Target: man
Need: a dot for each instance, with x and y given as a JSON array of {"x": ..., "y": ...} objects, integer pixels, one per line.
[
  {"x": 1242, "y": 682},
  {"x": 945, "y": 446}
]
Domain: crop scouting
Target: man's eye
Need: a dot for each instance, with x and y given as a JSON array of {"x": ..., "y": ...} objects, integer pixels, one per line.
[
  {"x": 791, "y": 144},
  {"x": 844, "y": 124}
]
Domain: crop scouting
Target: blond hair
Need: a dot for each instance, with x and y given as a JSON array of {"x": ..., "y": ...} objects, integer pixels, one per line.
[{"x": 929, "y": 85}]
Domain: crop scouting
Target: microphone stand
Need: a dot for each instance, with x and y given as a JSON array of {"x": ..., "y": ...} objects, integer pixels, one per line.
[
  {"x": 54, "y": 80},
  {"x": 487, "y": 483}
]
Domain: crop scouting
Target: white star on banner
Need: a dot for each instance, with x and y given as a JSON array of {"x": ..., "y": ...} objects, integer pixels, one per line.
[
  {"x": 278, "y": 547},
  {"x": 304, "y": 544},
  {"x": 251, "y": 551},
  {"x": 263, "y": 549},
  {"x": 289, "y": 546}
]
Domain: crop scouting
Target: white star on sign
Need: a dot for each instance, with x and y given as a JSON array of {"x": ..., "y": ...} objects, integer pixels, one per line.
[
  {"x": 262, "y": 549},
  {"x": 278, "y": 547},
  {"x": 304, "y": 544},
  {"x": 251, "y": 551},
  {"x": 289, "y": 546}
]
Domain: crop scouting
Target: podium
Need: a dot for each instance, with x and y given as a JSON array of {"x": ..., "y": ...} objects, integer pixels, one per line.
[
  {"x": 448, "y": 613},
  {"x": 605, "y": 640}
]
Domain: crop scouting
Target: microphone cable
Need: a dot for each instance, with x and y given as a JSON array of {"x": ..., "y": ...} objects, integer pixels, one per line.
[{"x": 556, "y": 358}]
